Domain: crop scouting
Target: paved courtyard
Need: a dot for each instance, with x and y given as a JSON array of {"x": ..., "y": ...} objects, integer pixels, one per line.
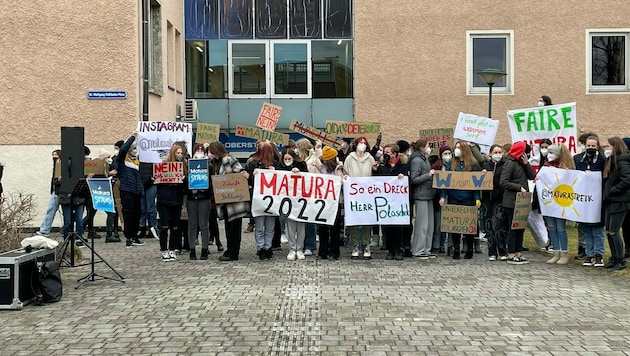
[{"x": 312, "y": 307}]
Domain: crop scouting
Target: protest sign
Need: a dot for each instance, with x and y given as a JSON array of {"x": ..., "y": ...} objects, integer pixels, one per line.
[
  {"x": 459, "y": 219},
  {"x": 260, "y": 134},
  {"x": 155, "y": 139},
  {"x": 168, "y": 172},
  {"x": 94, "y": 166},
  {"x": 522, "y": 206},
  {"x": 463, "y": 180},
  {"x": 376, "y": 201},
  {"x": 352, "y": 129},
  {"x": 304, "y": 197},
  {"x": 570, "y": 194},
  {"x": 230, "y": 188},
  {"x": 555, "y": 122},
  {"x": 269, "y": 116},
  {"x": 437, "y": 138},
  {"x": 316, "y": 134},
  {"x": 207, "y": 133},
  {"x": 102, "y": 195},
  {"x": 476, "y": 129},
  {"x": 198, "y": 174}
]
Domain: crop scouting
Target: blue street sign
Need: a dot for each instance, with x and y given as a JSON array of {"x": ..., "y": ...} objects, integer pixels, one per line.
[{"x": 107, "y": 95}]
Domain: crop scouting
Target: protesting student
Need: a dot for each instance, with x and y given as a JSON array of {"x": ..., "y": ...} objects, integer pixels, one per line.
[
  {"x": 170, "y": 199},
  {"x": 421, "y": 182},
  {"x": 494, "y": 217},
  {"x": 295, "y": 230},
  {"x": 330, "y": 236}
]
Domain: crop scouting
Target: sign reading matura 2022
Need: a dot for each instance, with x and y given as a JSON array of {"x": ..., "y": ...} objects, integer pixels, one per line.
[{"x": 556, "y": 122}]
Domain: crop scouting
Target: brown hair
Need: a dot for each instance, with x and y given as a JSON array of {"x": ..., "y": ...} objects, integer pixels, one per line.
[
  {"x": 618, "y": 148},
  {"x": 217, "y": 149},
  {"x": 466, "y": 157},
  {"x": 565, "y": 160},
  {"x": 264, "y": 154},
  {"x": 419, "y": 145}
]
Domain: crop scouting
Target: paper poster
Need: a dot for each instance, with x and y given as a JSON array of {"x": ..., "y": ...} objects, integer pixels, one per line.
[{"x": 376, "y": 200}]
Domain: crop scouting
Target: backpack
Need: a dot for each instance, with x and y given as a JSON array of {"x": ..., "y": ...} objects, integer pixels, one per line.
[{"x": 49, "y": 288}]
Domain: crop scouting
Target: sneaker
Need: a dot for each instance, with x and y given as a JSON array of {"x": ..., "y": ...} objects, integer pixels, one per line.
[
  {"x": 492, "y": 258},
  {"x": 291, "y": 256},
  {"x": 166, "y": 257},
  {"x": 355, "y": 252},
  {"x": 112, "y": 239},
  {"x": 154, "y": 233},
  {"x": 367, "y": 253},
  {"x": 250, "y": 228},
  {"x": 172, "y": 255},
  {"x": 432, "y": 255},
  {"x": 517, "y": 261},
  {"x": 599, "y": 261},
  {"x": 503, "y": 258},
  {"x": 308, "y": 252},
  {"x": 482, "y": 237},
  {"x": 588, "y": 261},
  {"x": 423, "y": 256},
  {"x": 129, "y": 243},
  {"x": 136, "y": 242},
  {"x": 284, "y": 239},
  {"x": 79, "y": 244},
  {"x": 45, "y": 234},
  {"x": 300, "y": 255}
]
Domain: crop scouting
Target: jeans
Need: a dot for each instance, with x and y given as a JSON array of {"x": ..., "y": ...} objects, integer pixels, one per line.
[
  {"x": 198, "y": 212},
  {"x": 614, "y": 219},
  {"x": 170, "y": 216},
  {"x": 149, "y": 211},
  {"x": 557, "y": 233},
  {"x": 594, "y": 239},
  {"x": 296, "y": 233},
  {"x": 264, "y": 228},
  {"x": 67, "y": 217},
  {"x": 310, "y": 241},
  {"x": 51, "y": 210},
  {"x": 423, "y": 229},
  {"x": 360, "y": 236}
]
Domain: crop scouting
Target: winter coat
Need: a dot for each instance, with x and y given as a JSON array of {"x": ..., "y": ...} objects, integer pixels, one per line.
[
  {"x": 467, "y": 196},
  {"x": 237, "y": 210},
  {"x": 496, "y": 194},
  {"x": 617, "y": 187},
  {"x": 585, "y": 163},
  {"x": 357, "y": 166},
  {"x": 128, "y": 170},
  {"x": 419, "y": 178},
  {"x": 513, "y": 177}
]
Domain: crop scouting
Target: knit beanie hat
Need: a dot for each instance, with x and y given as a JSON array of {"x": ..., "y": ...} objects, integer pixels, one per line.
[
  {"x": 328, "y": 153},
  {"x": 445, "y": 148},
  {"x": 403, "y": 145},
  {"x": 103, "y": 154},
  {"x": 517, "y": 149},
  {"x": 555, "y": 149},
  {"x": 119, "y": 143}
]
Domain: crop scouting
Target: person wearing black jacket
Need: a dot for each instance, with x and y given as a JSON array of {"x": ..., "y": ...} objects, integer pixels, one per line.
[
  {"x": 493, "y": 220},
  {"x": 170, "y": 199},
  {"x": 393, "y": 164},
  {"x": 198, "y": 207},
  {"x": 130, "y": 189}
]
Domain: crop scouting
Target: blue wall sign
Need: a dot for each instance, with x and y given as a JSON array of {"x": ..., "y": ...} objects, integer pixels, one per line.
[{"x": 107, "y": 95}]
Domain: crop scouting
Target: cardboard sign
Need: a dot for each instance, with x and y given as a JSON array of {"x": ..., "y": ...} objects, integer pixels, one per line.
[
  {"x": 556, "y": 122},
  {"x": 376, "y": 201},
  {"x": 155, "y": 139},
  {"x": 463, "y": 180},
  {"x": 437, "y": 138},
  {"x": 303, "y": 197},
  {"x": 352, "y": 129},
  {"x": 168, "y": 172},
  {"x": 95, "y": 166},
  {"x": 459, "y": 219},
  {"x": 198, "y": 174},
  {"x": 269, "y": 116},
  {"x": 476, "y": 129},
  {"x": 521, "y": 211},
  {"x": 230, "y": 188},
  {"x": 260, "y": 134},
  {"x": 207, "y": 133},
  {"x": 316, "y": 134},
  {"x": 102, "y": 194}
]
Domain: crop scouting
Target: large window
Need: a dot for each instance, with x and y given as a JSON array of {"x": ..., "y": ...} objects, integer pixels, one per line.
[
  {"x": 607, "y": 61},
  {"x": 489, "y": 49},
  {"x": 155, "y": 49}
]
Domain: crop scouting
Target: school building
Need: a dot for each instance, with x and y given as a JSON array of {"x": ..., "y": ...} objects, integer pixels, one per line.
[{"x": 408, "y": 65}]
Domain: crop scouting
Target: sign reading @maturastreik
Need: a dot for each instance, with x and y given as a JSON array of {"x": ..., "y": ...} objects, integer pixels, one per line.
[
  {"x": 303, "y": 197},
  {"x": 570, "y": 194},
  {"x": 376, "y": 200}
]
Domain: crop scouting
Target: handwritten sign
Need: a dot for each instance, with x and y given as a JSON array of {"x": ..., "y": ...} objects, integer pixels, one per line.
[
  {"x": 476, "y": 129},
  {"x": 459, "y": 219},
  {"x": 269, "y": 116},
  {"x": 102, "y": 195},
  {"x": 198, "y": 174},
  {"x": 95, "y": 166},
  {"x": 304, "y": 197},
  {"x": 260, "y": 134},
  {"x": 437, "y": 138},
  {"x": 155, "y": 139},
  {"x": 207, "y": 133},
  {"x": 230, "y": 188},
  {"x": 352, "y": 129},
  {"x": 168, "y": 172},
  {"x": 556, "y": 122},
  {"x": 463, "y": 180},
  {"x": 316, "y": 134},
  {"x": 376, "y": 201},
  {"x": 522, "y": 206}
]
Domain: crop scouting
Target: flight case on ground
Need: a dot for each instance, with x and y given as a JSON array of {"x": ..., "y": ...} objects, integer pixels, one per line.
[{"x": 19, "y": 276}]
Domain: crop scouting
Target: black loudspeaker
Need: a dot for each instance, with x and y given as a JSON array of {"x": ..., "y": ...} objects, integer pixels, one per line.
[{"x": 72, "y": 157}]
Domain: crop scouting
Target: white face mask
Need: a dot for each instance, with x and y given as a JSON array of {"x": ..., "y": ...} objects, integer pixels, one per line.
[
  {"x": 427, "y": 150},
  {"x": 133, "y": 152},
  {"x": 552, "y": 157},
  {"x": 199, "y": 155},
  {"x": 582, "y": 148},
  {"x": 115, "y": 152},
  {"x": 447, "y": 158},
  {"x": 544, "y": 151},
  {"x": 541, "y": 103},
  {"x": 297, "y": 151},
  {"x": 497, "y": 157},
  {"x": 458, "y": 152},
  {"x": 608, "y": 153},
  {"x": 288, "y": 162},
  {"x": 361, "y": 147},
  {"x": 109, "y": 161}
]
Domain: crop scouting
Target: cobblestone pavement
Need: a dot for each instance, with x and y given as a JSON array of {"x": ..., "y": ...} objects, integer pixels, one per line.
[{"x": 280, "y": 307}]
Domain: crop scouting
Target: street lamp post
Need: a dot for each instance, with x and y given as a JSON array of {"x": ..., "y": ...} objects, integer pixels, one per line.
[{"x": 491, "y": 76}]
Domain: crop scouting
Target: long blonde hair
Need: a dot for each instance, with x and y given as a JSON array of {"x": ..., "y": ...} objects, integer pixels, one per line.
[
  {"x": 466, "y": 157},
  {"x": 565, "y": 160},
  {"x": 305, "y": 147}
]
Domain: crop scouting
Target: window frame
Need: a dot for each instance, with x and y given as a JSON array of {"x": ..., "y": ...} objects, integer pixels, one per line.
[
  {"x": 309, "y": 69},
  {"x": 509, "y": 51},
  {"x": 230, "y": 59},
  {"x": 606, "y": 89}
]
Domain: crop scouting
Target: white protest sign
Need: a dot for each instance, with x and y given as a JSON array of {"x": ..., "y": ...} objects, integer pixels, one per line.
[
  {"x": 155, "y": 139},
  {"x": 376, "y": 200},
  {"x": 555, "y": 122},
  {"x": 304, "y": 197},
  {"x": 476, "y": 129},
  {"x": 570, "y": 194}
]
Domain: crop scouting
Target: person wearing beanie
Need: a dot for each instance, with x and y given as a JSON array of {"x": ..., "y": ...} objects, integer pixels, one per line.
[
  {"x": 328, "y": 153},
  {"x": 516, "y": 172},
  {"x": 330, "y": 235},
  {"x": 403, "y": 146},
  {"x": 422, "y": 192},
  {"x": 131, "y": 189}
]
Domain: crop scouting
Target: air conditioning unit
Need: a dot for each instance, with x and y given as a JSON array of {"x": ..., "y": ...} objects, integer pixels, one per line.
[{"x": 190, "y": 110}]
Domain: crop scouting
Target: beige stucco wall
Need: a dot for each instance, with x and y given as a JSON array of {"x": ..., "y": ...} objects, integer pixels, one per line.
[{"x": 410, "y": 61}]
